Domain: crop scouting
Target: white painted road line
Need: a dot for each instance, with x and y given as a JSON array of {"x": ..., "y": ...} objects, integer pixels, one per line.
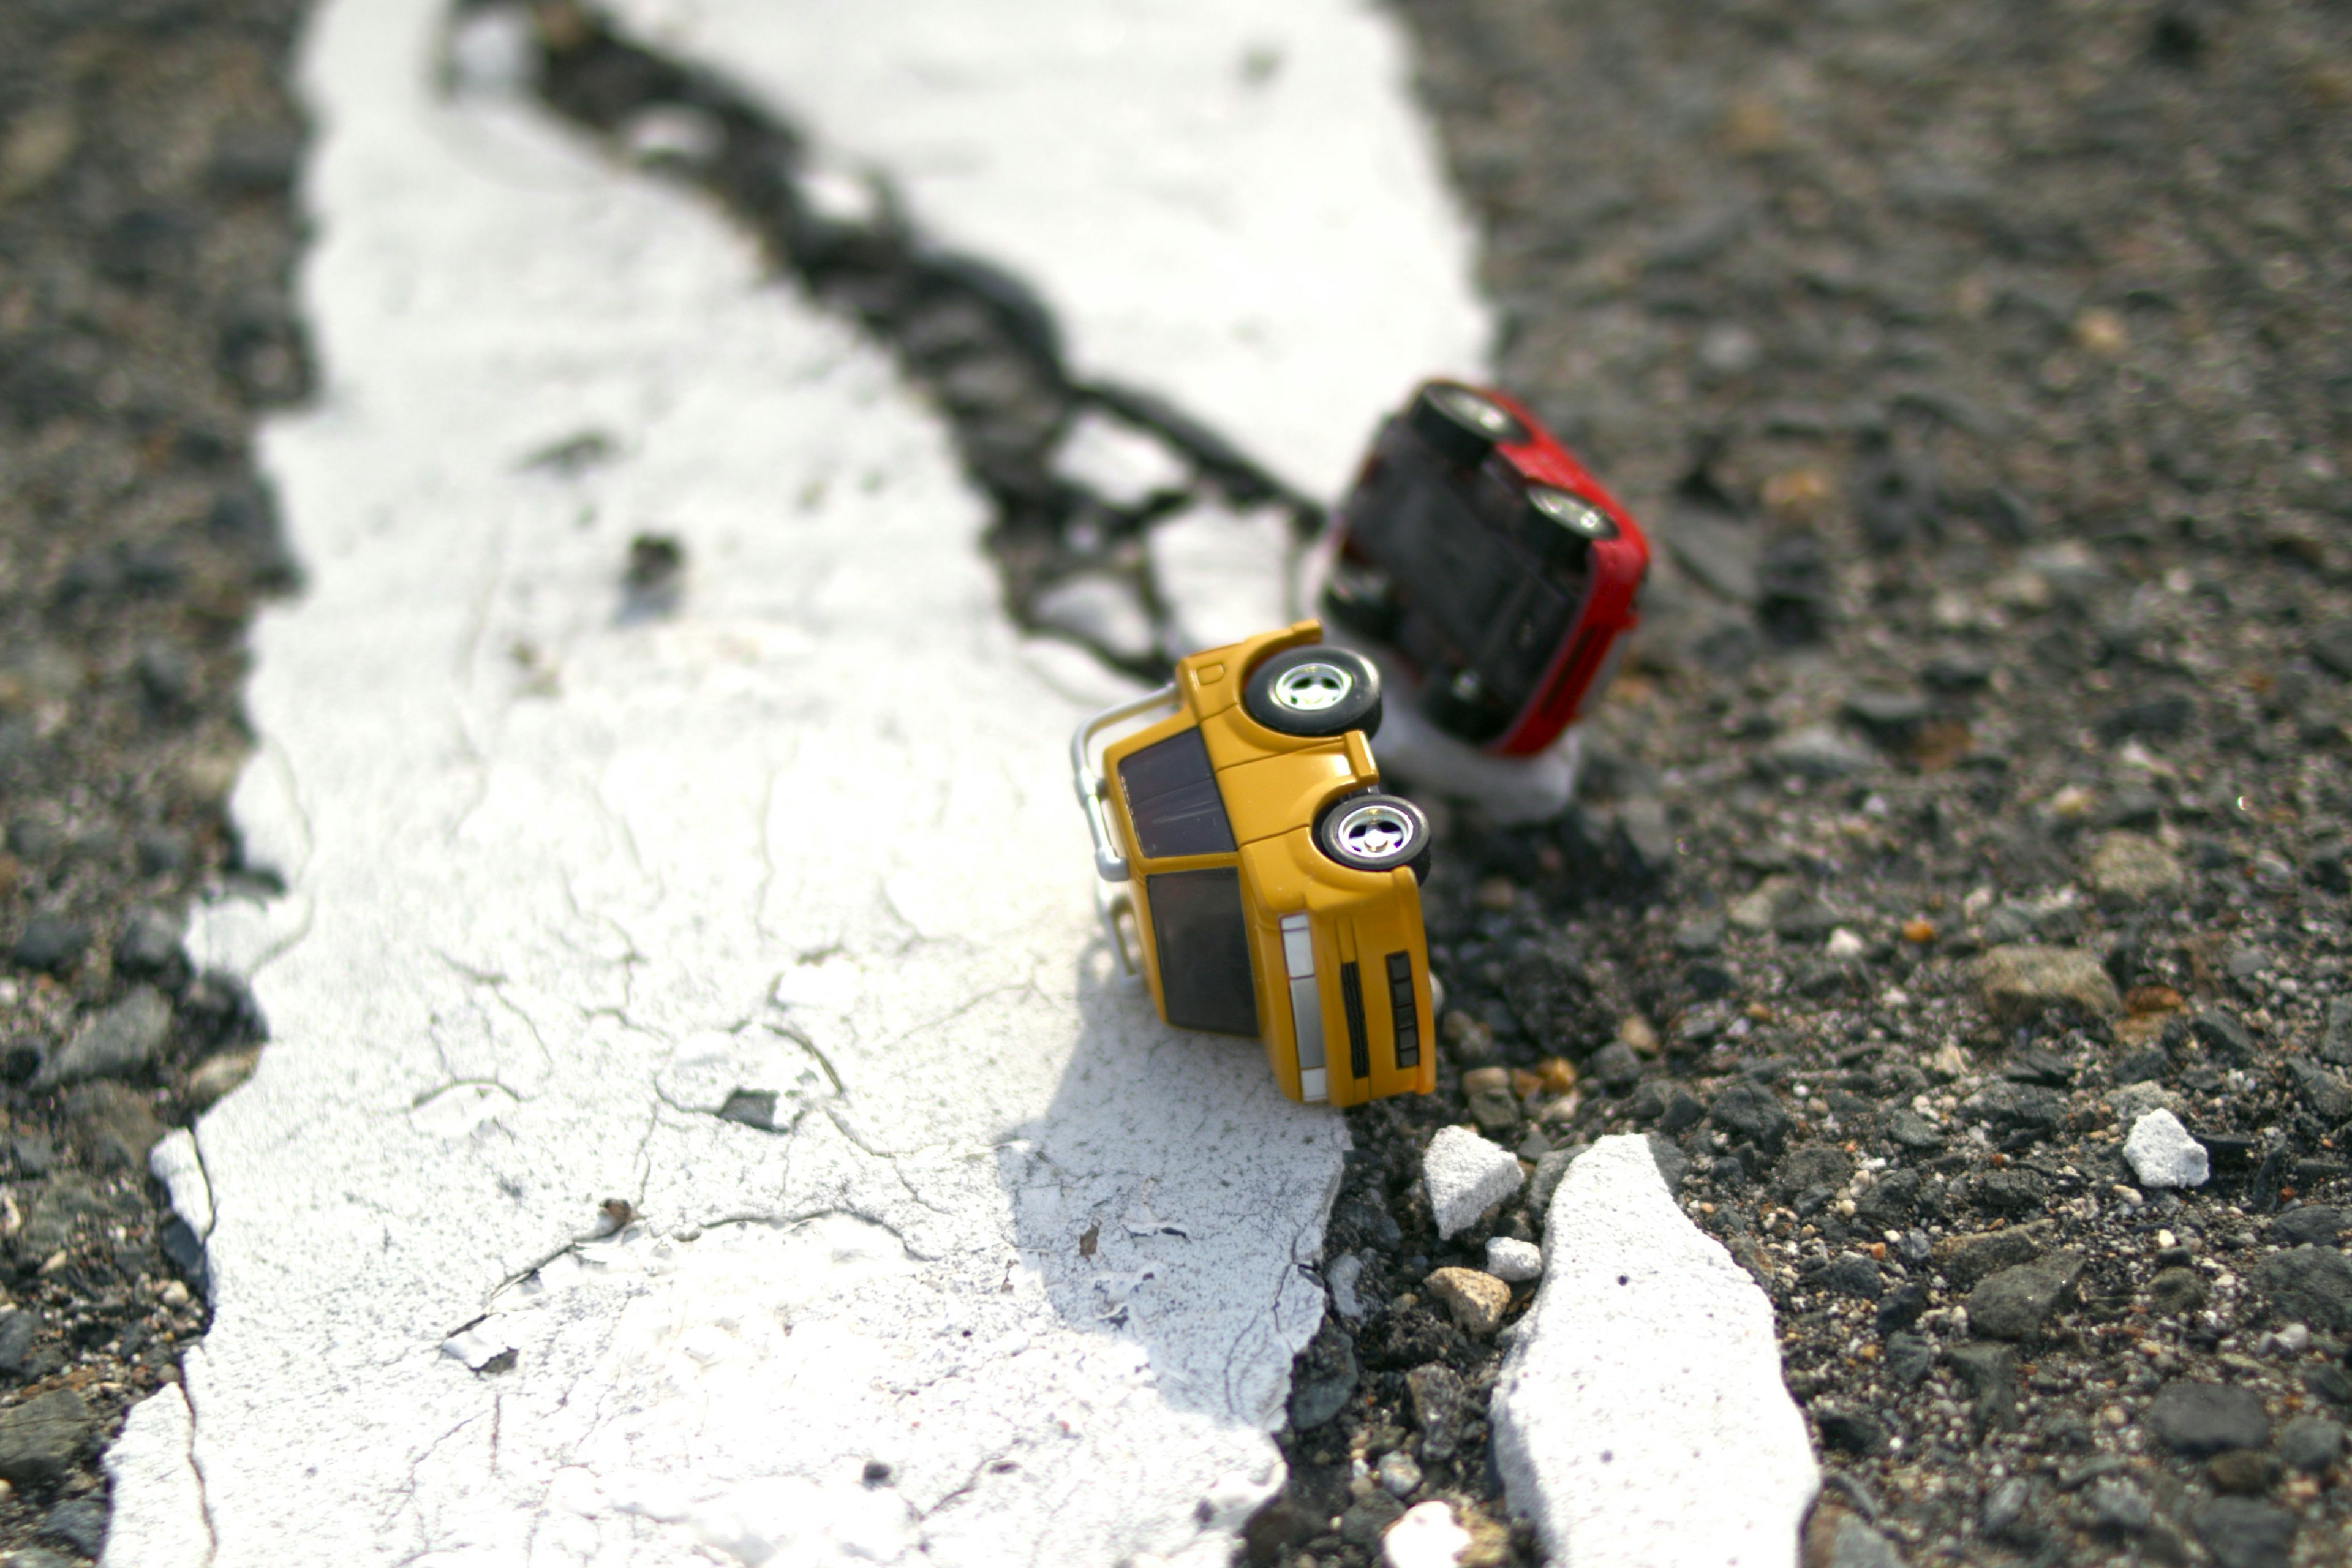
[
  {"x": 979, "y": 1263},
  {"x": 1641, "y": 1418},
  {"x": 1231, "y": 204}
]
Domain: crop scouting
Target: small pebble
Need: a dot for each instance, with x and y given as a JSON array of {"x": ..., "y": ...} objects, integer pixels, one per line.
[
  {"x": 1514, "y": 1261},
  {"x": 1477, "y": 1301},
  {"x": 1426, "y": 1537},
  {"x": 1398, "y": 1475}
]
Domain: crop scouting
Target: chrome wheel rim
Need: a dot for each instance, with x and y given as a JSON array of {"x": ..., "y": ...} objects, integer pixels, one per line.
[
  {"x": 1374, "y": 832},
  {"x": 1578, "y": 516},
  {"x": 1313, "y": 688},
  {"x": 1490, "y": 419}
]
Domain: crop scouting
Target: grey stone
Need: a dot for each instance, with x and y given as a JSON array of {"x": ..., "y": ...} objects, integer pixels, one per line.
[
  {"x": 1698, "y": 938},
  {"x": 2311, "y": 1443},
  {"x": 2202, "y": 1418},
  {"x": 2127, "y": 870},
  {"x": 1323, "y": 1377},
  {"x": 1438, "y": 1397},
  {"x": 2118, "y": 1505},
  {"x": 16, "y": 1330},
  {"x": 50, "y": 943},
  {"x": 2009, "y": 1106},
  {"x": 1813, "y": 1165},
  {"x": 2022, "y": 982},
  {"x": 2321, "y": 1223},
  {"x": 1748, "y": 1110},
  {"x": 1970, "y": 1259},
  {"x": 1912, "y": 1130},
  {"x": 150, "y": 944},
  {"x": 41, "y": 1438},
  {"x": 2005, "y": 1507},
  {"x": 79, "y": 1522},
  {"x": 2012, "y": 1190},
  {"x": 62, "y": 1205},
  {"x": 2322, "y": 1090},
  {"x": 1886, "y": 1203},
  {"x": 1397, "y": 1474},
  {"x": 2015, "y": 1303},
  {"x": 115, "y": 1044},
  {"x": 1672, "y": 1163},
  {"x": 1990, "y": 1373},
  {"x": 1886, "y": 711},
  {"x": 2243, "y": 1533},
  {"x": 1682, "y": 1110},
  {"x": 1647, "y": 833},
  {"x": 1850, "y": 1430},
  {"x": 2309, "y": 1284},
  {"x": 2176, "y": 1292},
  {"x": 1615, "y": 1066},
  {"x": 1909, "y": 1358},
  {"x": 1368, "y": 1518},
  {"x": 2336, "y": 1041},
  {"x": 116, "y": 1124},
  {"x": 1819, "y": 751},
  {"x": 1852, "y": 1275},
  {"x": 1549, "y": 1169}
]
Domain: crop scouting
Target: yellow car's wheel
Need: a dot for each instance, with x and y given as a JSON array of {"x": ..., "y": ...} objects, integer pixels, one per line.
[
  {"x": 1376, "y": 832},
  {"x": 1317, "y": 690}
]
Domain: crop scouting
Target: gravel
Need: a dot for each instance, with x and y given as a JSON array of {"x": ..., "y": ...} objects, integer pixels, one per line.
[{"x": 147, "y": 234}]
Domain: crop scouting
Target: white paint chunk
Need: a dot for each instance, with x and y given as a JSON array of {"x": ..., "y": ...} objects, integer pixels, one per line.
[
  {"x": 158, "y": 1520},
  {"x": 768, "y": 918},
  {"x": 2161, "y": 1153},
  {"x": 1466, "y": 1175},
  {"x": 1232, "y": 204},
  {"x": 1641, "y": 1418},
  {"x": 1512, "y": 1260},
  {"x": 175, "y": 1163},
  {"x": 1426, "y": 1537}
]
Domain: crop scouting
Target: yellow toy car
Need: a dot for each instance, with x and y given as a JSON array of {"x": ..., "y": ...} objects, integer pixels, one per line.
[{"x": 1273, "y": 889}]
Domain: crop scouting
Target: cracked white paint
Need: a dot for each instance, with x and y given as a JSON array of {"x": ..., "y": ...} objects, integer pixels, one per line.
[
  {"x": 981, "y": 1264},
  {"x": 1231, "y": 204},
  {"x": 158, "y": 1518},
  {"x": 1641, "y": 1418}
]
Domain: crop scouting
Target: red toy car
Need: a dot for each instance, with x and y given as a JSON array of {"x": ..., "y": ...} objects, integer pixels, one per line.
[{"x": 1494, "y": 568}]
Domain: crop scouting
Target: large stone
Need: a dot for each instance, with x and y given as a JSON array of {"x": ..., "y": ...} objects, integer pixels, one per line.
[
  {"x": 2201, "y": 1418},
  {"x": 2308, "y": 1284},
  {"x": 41, "y": 1438},
  {"x": 116, "y": 1043},
  {"x": 2015, "y": 1303},
  {"x": 2022, "y": 982},
  {"x": 1746, "y": 1109},
  {"x": 1647, "y": 1375},
  {"x": 2242, "y": 1532},
  {"x": 2127, "y": 870}
]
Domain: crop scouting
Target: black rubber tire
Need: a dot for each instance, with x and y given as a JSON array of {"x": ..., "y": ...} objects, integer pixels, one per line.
[
  {"x": 1317, "y": 690},
  {"x": 1460, "y": 423},
  {"x": 1563, "y": 525},
  {"x": 1362, "y": 599},
  {"x": 1376, "y": 832}
]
